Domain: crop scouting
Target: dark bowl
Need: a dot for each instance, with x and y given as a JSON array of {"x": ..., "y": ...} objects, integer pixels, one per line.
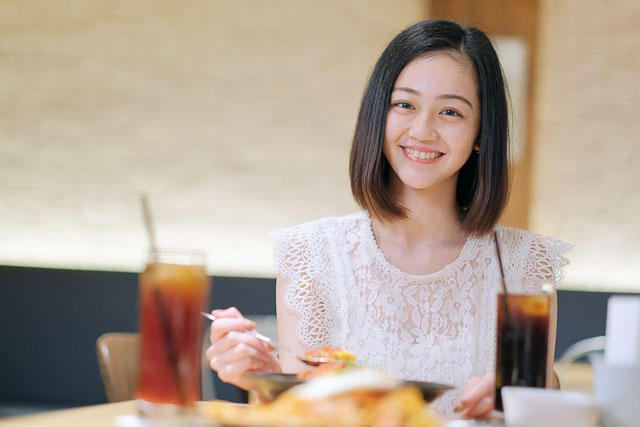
[{"x": 271, "y": 385}]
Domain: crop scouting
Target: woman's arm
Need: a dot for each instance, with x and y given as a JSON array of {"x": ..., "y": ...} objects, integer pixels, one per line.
[{"x": 287, "y": 330}]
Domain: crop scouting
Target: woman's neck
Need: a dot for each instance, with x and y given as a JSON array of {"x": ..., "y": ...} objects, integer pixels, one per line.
[
  {"x": 431, "y": 236},
  {"x": 432, "y": 216}
]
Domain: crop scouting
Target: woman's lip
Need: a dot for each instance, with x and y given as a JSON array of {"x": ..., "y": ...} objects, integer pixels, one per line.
[
  {"x": 419, "y": 160},
  {"x": 426, "y": 150}
]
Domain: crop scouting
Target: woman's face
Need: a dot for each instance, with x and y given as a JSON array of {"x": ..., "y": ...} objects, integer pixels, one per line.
[{"x": 433, "y": 121}]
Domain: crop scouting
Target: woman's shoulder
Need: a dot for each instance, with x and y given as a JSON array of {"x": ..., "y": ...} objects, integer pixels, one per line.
[
  {"x": 534, "y": 255},
  {"x": 327, "y": 225},
  {"x": 521, "y": 237},
  {"x": 310, "y": 243}
]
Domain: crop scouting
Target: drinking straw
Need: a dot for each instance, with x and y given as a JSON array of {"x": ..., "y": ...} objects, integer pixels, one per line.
[
  {"x": 504, "y": 285},
  {"x": 171, "y": 345},
  {"x": 148, "y": 223},
  {"x": 507, "y": 318},
  {"x": 505, "y": 304},
  {"x": 159, "y": 303}
]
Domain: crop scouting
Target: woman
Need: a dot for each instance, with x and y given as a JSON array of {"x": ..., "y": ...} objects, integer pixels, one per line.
[{"x": 408, "y": 285}]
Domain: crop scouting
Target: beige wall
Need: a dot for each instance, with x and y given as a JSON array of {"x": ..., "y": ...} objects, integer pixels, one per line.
[
  {"x": 586, "y": 165},
  {"x": 234, "y": 116}
]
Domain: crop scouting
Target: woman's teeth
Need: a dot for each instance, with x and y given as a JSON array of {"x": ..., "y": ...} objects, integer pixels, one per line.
[{"x": 423, "y": 154}]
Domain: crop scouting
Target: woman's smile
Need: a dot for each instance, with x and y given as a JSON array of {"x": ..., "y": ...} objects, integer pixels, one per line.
[{"x": 421, "y": 155}]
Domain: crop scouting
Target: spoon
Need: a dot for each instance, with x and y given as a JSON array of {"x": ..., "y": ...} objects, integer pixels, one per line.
[{"x": 313, "y": 361}]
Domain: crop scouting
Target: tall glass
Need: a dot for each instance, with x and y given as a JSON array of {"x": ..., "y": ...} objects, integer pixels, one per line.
[
  {"x": 522, "y": 342},
  {"x": 173, "y": 290}
]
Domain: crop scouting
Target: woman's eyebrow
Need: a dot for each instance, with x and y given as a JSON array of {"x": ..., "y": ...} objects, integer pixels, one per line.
[
  {"x": 443, "y": 96},
  {"x": 454, "y": 96},
  {"x": 406, "y": 89}
]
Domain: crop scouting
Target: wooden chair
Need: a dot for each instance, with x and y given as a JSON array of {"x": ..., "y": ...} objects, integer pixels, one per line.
[
  {"x": 118, "y": 361},
  {"x": 118, "y": 354},
  {"x": 573, "y": 374}
]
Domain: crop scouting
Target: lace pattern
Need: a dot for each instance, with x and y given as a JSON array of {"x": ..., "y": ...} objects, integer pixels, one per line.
[
  {"x": 438, "y": 327},
  {"x": 306, "y": 270}
]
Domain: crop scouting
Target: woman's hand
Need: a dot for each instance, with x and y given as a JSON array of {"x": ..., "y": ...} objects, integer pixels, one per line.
[
  {"x": 233, "y": 353},
  {"x": 477, "y": 397}
]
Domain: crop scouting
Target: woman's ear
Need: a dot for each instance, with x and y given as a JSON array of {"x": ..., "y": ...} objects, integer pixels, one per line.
[{"x": 476, "y": 147}]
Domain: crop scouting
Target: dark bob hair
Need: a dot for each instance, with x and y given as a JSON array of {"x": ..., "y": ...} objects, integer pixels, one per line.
[{"x": 483, "y": 181}]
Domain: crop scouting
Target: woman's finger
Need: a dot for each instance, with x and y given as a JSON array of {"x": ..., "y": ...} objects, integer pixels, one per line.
[
  {"x": 234, "y": 339},
  {"x": 227, "y": 312},
  {"x": 482, "y": 409},
  {"x": 222, "y": 326},
  {"x": 477, "y": 388},
  {"x": 234, "y": 372},
  {"x": 248, "y": 350},
  {"x": 234, "y": 363},
  {"x": 232, "y": 355},
  {"x": 471, "y": 385}
]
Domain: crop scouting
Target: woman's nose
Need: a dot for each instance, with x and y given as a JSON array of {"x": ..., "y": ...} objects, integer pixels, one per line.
[{"x": 423, "y": 128}]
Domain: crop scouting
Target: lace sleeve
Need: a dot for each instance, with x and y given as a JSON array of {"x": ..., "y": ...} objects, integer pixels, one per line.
[
  {"x": 295, "y": 255},
  {"x": 534, "y": 258}
]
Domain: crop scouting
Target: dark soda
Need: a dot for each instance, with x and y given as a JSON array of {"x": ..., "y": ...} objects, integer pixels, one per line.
[{"x": 522, "y": 342}]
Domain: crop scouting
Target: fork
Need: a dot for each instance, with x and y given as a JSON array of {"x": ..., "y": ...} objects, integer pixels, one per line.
[{"x": 313, "y": 361}]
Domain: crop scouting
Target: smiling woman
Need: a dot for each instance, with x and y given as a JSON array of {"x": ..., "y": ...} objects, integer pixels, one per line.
[
  {"x": 408, "y": 285},
  {"x": 467, "y": 89}
]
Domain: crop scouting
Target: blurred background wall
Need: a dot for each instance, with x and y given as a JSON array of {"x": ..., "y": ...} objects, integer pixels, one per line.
[
  {"x": 236, "y": 119},
  {"x": 586, "y": 137}
]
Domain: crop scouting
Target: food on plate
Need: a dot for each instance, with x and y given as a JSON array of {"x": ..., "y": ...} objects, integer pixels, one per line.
[
  {"x": 330, "y": 352},
  {"x": 349, "y": 397},
  {"x": 322, "y": 369},
  {"x": 339, "y": 359}
]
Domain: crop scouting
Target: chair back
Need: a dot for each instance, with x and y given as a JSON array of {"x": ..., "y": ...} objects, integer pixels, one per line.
[
  {"x": 579, "y": 376},
  {"x": 118, "y": 361},
  {"x": 118, "y": 354}
]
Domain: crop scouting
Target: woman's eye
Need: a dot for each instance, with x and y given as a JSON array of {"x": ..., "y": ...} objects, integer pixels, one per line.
[
  {"x": 403, "y": 105},
  {"x": 450, "y": 112}
]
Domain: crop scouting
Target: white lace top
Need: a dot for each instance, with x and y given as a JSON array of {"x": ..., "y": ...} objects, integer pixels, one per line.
[{"x": 438, "y": 327}]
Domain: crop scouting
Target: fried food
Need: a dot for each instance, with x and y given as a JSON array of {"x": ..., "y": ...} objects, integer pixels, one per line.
[
  {"x": 331, "y": 352},
  {"x": 341, "y": 359},
  {"x": 352, "y": 397},
  {"x": 322, "y": 369}
]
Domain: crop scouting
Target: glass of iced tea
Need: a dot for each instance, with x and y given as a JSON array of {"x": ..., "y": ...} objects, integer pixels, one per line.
[
  {"x": 173, "y": 290},
  {"x": 522, "y": 342}
]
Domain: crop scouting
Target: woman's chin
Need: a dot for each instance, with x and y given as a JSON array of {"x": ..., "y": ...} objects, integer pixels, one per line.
[{"x": 416, "y": 182}]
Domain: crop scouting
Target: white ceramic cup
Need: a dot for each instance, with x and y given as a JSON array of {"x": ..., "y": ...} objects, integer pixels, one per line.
[{"x": 529, "y": 407}]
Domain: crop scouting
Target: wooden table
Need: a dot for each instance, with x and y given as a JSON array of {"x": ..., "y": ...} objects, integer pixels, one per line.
[
  {"x": 105, "y": 416},
  {"x": 98, "y": 416},
  {"x": 577, "y": 377},
  {"x": 87, "y": 416}
]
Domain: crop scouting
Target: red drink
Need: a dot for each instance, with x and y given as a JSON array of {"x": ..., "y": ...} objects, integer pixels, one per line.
[
  {"x": 174, "y": 289},
  {"x": 522, "y": 342}
]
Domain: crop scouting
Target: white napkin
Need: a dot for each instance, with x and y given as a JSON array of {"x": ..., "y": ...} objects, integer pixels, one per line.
[{"x": 623, "y": 331}]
